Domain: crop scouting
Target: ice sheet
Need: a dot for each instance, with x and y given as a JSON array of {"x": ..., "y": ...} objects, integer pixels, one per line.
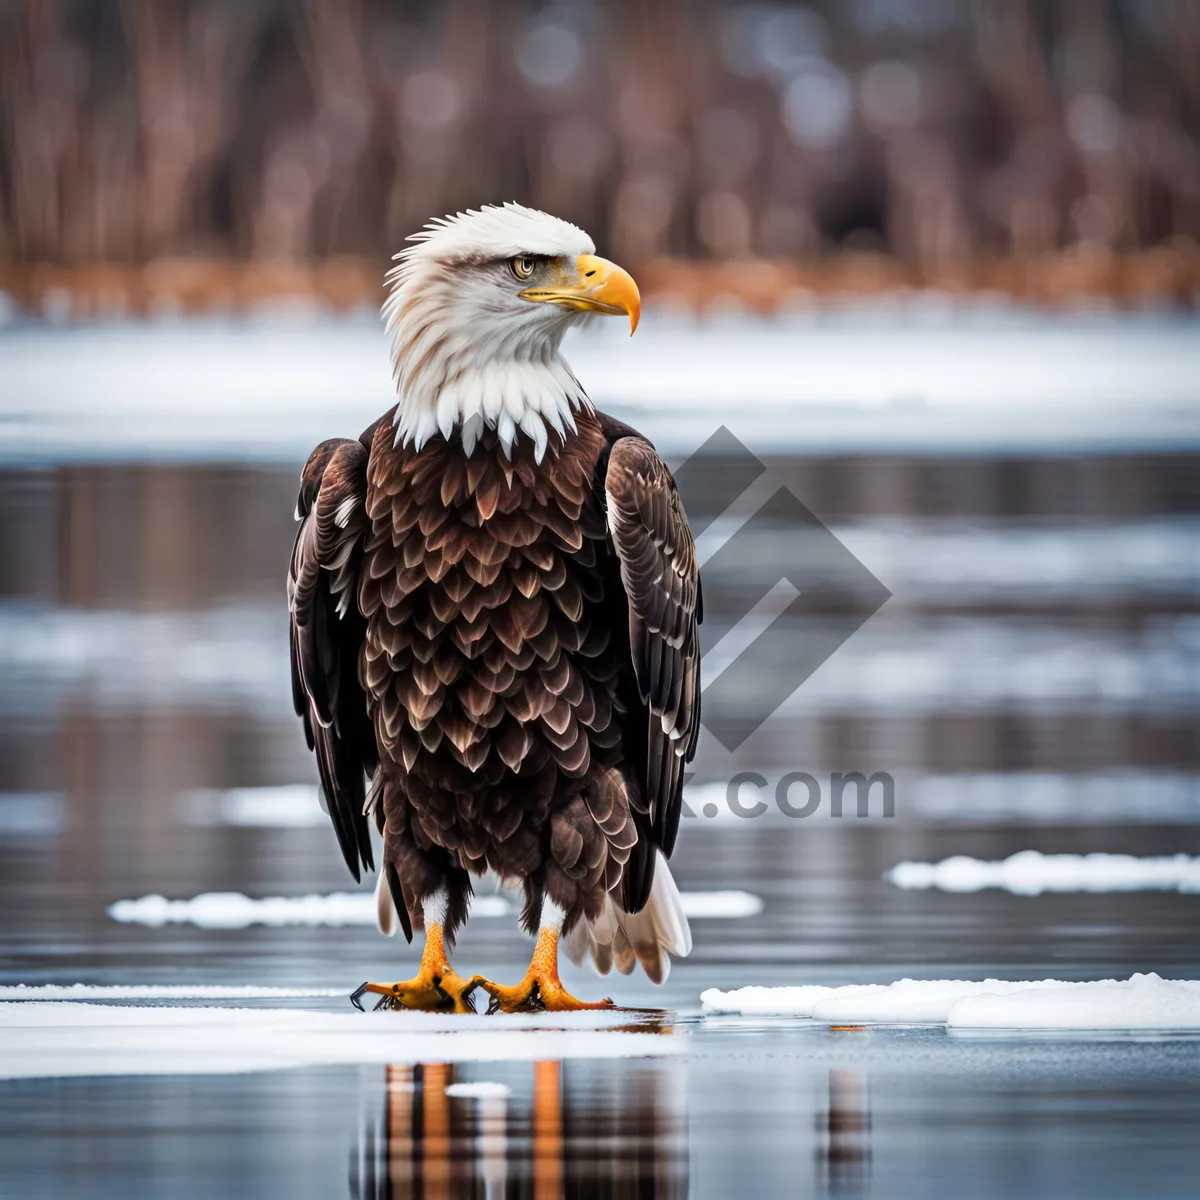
[
  {"x": 1140, "y": 1002},
  {"x": 1029, "y": 873},
  {"x": 157, "y": 991},
  {"x": 232, "y": 910},
  {"x": 71, "y": 1039},
  {"x": 1000, "y": 379},
  {"x": 1145, "y": 1001}
]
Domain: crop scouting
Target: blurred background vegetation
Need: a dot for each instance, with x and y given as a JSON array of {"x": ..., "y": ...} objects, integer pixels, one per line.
[{"x": 158, "y": 154}]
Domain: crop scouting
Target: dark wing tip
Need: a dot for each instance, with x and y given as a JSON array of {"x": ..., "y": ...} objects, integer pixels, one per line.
[
  {"x": 325, "y": 645},
  {"x": 661, "y": 578}
]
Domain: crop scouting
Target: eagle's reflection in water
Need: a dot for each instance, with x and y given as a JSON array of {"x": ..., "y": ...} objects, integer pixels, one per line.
[
  {"x": 844, "y": 1136},
  {"x": 580, "y": 1129}
]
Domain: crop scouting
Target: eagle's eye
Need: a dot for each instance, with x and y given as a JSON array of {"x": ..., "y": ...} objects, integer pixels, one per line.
[{"x": 522, "y": 266}]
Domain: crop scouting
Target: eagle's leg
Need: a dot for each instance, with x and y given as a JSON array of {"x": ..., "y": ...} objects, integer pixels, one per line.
[
  {"x": 437, "y": 985},
  {"x": 541, "y": 989}
]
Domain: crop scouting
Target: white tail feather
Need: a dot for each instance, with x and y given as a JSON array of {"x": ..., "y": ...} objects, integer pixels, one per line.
[
  {"x": 385, "y": 910},
  {"x": 621, "y": 939}
]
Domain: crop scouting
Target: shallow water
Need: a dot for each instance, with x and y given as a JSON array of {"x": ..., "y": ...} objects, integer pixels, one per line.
[
  {"x": 766, "y": 1111},
  {"x": 1033, "y": 683}
]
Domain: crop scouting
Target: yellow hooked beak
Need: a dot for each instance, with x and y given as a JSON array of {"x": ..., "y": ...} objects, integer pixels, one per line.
[{"x": 594, "y": 285}]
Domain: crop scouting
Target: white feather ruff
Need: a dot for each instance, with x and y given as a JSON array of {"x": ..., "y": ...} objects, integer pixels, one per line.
[{"x": 466, "y": 349}]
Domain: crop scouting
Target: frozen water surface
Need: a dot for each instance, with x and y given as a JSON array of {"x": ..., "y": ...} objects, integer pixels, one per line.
[
  {"x": 62, "y": 1038},
  {"x": 1024, "y": 487},
  {"x": 163, "y": 992}
]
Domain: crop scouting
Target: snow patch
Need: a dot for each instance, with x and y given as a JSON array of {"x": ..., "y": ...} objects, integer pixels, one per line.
[
  {"x": 1140, "y": 1002},
  {"x": 726, "y": 905},
  {"x": 483, "y": 1090},
  {"x": 292, "y": 806},
  {"x": 1029, "y": 873},
  {"x": 1144, "y": 1001},
  {"x": 232, "y": 910},
  {"x": 768, "y": 1001},
  {"x": 158, "y": 991},
  {"x": 72, "y": 1039}
]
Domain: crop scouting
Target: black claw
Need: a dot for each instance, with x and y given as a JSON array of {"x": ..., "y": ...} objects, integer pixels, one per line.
[
  {"x": 355, "y": 995},
  {"x": 467, "y": 998},
  {"x": 468, "y": 995}
]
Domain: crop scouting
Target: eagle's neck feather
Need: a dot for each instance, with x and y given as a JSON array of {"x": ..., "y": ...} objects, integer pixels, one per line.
[
  {"x": 495, "y": 373},
  {"x": 514, "y": 397}
]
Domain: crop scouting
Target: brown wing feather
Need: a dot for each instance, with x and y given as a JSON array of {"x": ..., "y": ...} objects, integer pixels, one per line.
[
  {"x": 657, "y": 555},
  {"x": 327, "y": 634}
]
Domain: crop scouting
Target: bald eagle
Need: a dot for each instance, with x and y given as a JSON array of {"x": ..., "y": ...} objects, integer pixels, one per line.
[{"x": 494, "y": 599}]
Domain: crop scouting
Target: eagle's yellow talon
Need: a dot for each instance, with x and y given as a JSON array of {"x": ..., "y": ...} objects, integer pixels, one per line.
[
  {"x": 533, "y": 994},
  {"x": 541, "y": 990},
  {"x": 428, "y": 991},
  {"x": 456, "y": 989},
  {"x": 436, "y": 987}
]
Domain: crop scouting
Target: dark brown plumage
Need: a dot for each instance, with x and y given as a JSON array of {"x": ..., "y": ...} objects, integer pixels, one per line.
[{"x": 510, "y": 650}]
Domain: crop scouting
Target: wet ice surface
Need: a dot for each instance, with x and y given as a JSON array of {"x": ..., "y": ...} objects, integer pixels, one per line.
[
  {"x": 1032, "y": 685},
  {"x": 54, "y": 1039}
]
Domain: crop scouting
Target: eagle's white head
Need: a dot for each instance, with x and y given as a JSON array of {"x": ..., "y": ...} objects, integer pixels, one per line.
[{"x": 478, "y": 308}]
